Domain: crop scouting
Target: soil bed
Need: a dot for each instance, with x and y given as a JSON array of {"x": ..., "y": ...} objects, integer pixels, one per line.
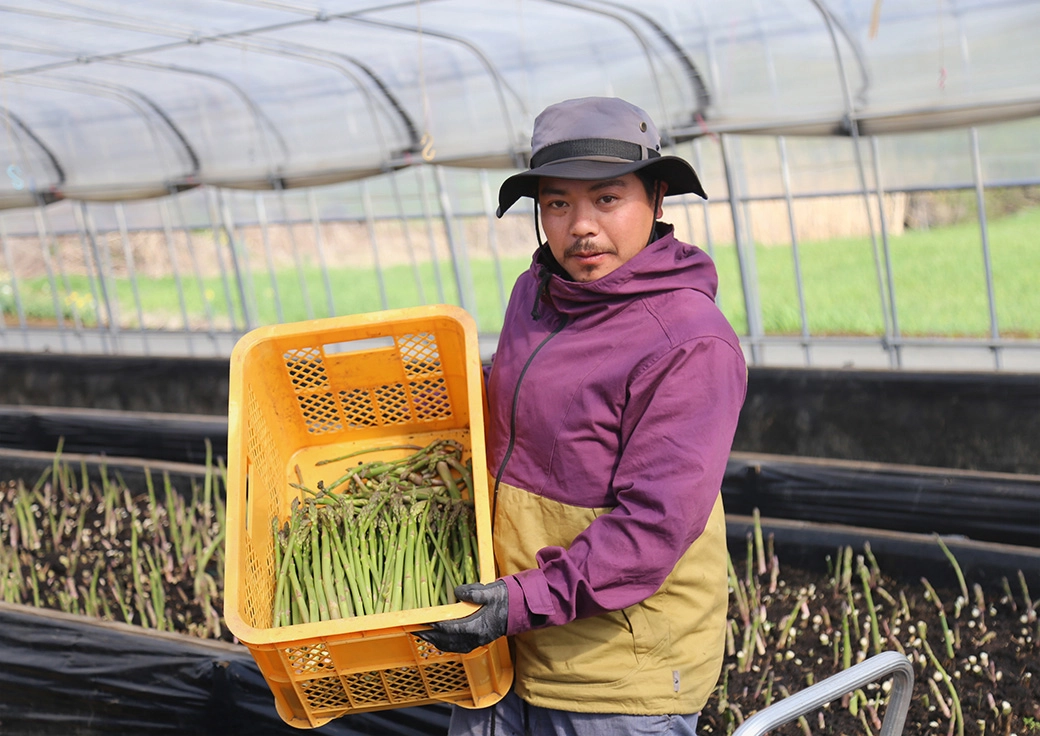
[{"x": 994, "y": 670}]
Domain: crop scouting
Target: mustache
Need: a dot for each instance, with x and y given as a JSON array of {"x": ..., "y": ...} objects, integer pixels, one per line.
[{"x": 583, "y": 247}]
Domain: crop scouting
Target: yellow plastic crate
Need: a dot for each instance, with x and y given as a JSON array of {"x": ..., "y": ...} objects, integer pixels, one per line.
[{"x": 304, "y": 392}]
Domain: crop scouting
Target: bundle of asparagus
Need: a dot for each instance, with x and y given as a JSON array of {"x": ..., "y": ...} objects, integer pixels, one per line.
[{"x": 385, "y": 536}]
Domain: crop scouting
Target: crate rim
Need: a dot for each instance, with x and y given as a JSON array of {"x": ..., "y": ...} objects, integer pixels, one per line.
[
  {"x": 371, "y": 626},
  {"x": 324, "y": 324}
]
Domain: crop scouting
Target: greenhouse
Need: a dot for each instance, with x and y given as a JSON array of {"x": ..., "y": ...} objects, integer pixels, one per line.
[
  {"x": 253, "y": 274},
  {"x": 178, "y": 174}
]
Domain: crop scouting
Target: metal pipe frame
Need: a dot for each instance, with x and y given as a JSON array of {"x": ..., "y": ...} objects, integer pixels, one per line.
[
  {"x": 745, "y": 251},
  {"x": 48, "y": 153},
  {"x": 92, "y": 254},
  {"x": 884, "y": 288},
  {"x": 799, "y": 287},
  {"x": 15, "y": 291},
  {"x": 319, "y": 244},
  {"x": 980, "y": 203},
  {"x": 880, "y": 666}
]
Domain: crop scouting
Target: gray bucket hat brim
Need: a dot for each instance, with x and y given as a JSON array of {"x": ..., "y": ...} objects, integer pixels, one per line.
[{"x": 596, "y": 138}]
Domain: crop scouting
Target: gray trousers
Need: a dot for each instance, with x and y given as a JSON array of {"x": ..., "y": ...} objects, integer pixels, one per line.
[{"x": 511, "y": 716}]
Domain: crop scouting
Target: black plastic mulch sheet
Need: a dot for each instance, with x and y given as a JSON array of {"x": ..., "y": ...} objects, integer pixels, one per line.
[
  {"x": 974, "y": 420},
  {"x": 181, "y": 385},
  {"x": 72, "y": 676},
  {"x": 907, "y": 557},
  {"x": 992, "y": 507},
  {"x": 155, "y": 436}
]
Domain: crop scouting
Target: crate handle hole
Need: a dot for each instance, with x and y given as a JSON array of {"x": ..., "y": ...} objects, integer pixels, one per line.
[{"x": 358, "y": 346}]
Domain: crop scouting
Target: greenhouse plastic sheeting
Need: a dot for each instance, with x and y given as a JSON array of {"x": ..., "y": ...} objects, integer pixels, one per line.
[
  {"x": 73, "y": 676},
  {"x": 109, "y": 99}
]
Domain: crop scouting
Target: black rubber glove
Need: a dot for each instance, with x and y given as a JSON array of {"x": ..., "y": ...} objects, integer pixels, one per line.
[{"x": 480, "y": 627}]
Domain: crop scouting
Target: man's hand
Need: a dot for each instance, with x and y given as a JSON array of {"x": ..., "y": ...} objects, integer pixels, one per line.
[{"x": 480, "y": 627}]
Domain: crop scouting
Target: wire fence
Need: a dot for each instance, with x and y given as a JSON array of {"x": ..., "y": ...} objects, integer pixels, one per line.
[{"x": 189, "y": 273}]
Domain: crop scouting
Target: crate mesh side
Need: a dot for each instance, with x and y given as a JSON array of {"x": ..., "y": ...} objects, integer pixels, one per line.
[
  {"x": 430, "y": 399},
  {"x": 309, "y": 660},
  {"x": 325, "y": 693},
  {"x": 262, "y": 481},
  {"x": 419, "y": 354},
  {"x": 443, "y": 673},
  {"x": 320, "y": 413},
  {"x": 445, "y": 678},
  {"x": 359, "y": 408},
  {"x": 427, "y": 389},
  {"x": 366, "y": 689},
  {"x": 405, "y": 684},
  {"x": 393, "y": 404},
  {"x": 309, "y": 380}
]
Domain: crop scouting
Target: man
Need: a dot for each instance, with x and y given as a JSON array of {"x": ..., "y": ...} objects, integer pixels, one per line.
[{"x": 614, "y": 396}]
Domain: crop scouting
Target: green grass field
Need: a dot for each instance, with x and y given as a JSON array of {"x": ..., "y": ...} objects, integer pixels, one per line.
[{"x": 938, "y": 276}]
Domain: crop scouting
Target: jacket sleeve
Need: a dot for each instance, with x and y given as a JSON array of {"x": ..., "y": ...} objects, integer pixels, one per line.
[{"x": 676, "y": 435}]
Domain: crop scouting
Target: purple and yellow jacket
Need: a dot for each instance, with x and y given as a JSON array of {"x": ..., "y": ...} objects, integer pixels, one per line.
[{"x": 612, "y": 413}]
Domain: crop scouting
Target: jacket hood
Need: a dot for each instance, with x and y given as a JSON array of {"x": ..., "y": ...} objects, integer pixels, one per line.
[{"x": 666, "y": 264}]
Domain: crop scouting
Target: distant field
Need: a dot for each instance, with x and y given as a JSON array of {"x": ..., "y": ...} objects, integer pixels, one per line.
[{"x": 938, "y": 275}]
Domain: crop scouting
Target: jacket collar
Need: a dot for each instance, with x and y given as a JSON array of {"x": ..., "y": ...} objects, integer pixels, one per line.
[{"x": 665, "y": 264}]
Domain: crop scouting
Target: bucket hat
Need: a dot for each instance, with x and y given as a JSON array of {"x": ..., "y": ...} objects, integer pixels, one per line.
[{"x": 592, "y": 138}]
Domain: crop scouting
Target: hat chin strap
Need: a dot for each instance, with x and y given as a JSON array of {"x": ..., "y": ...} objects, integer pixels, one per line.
[
  {"x": 657, "y": 203},
  {"x": 537, "y": 228}
]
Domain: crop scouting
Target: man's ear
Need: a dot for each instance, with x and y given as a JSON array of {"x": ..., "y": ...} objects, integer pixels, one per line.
[{"x": 662, "y": 189}]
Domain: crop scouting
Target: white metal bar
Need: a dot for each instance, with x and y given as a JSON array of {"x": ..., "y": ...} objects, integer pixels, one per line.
[
  {"x": 879, "y": 191},
  {"x": 45, "y": 248},
  {"x": 366, "y": 203},
  {"x": 980, "y": 202},
  {"x": 91, "y": 255},
  {"x": 420, "y": 175},
  {"x": 189, "y": 243},
  {"x": 709, "y": 240},
  {"x": 212, "y": 205},
  {"x": 496, "y": 257},
  {"x": 171, "y": 252},
  {"x": 16, "y": 293},
  {"x": 884, "y": 288},
  {"x": 395, "y": 191},
  {"x": 243, "y": 276},
  {"x": 459, "y": 255},
  {"x": 301, "y": 276},
  {"x": 261, "y": 214},
  {"x": 745, "y": 253},
  {"x": 131, "y": 267},
  {"x": 87, "y": 234},
  {"x": 319, "y": 244},
  {"x": 785, "y": 173},
  {"x": 884, "y": 665}
]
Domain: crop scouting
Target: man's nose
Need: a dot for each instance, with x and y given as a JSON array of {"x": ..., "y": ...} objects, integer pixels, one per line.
[{"x": 584, "y": 222}]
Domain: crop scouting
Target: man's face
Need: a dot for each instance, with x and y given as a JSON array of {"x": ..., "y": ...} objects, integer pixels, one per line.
[{"x": 593, "y": 227}]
